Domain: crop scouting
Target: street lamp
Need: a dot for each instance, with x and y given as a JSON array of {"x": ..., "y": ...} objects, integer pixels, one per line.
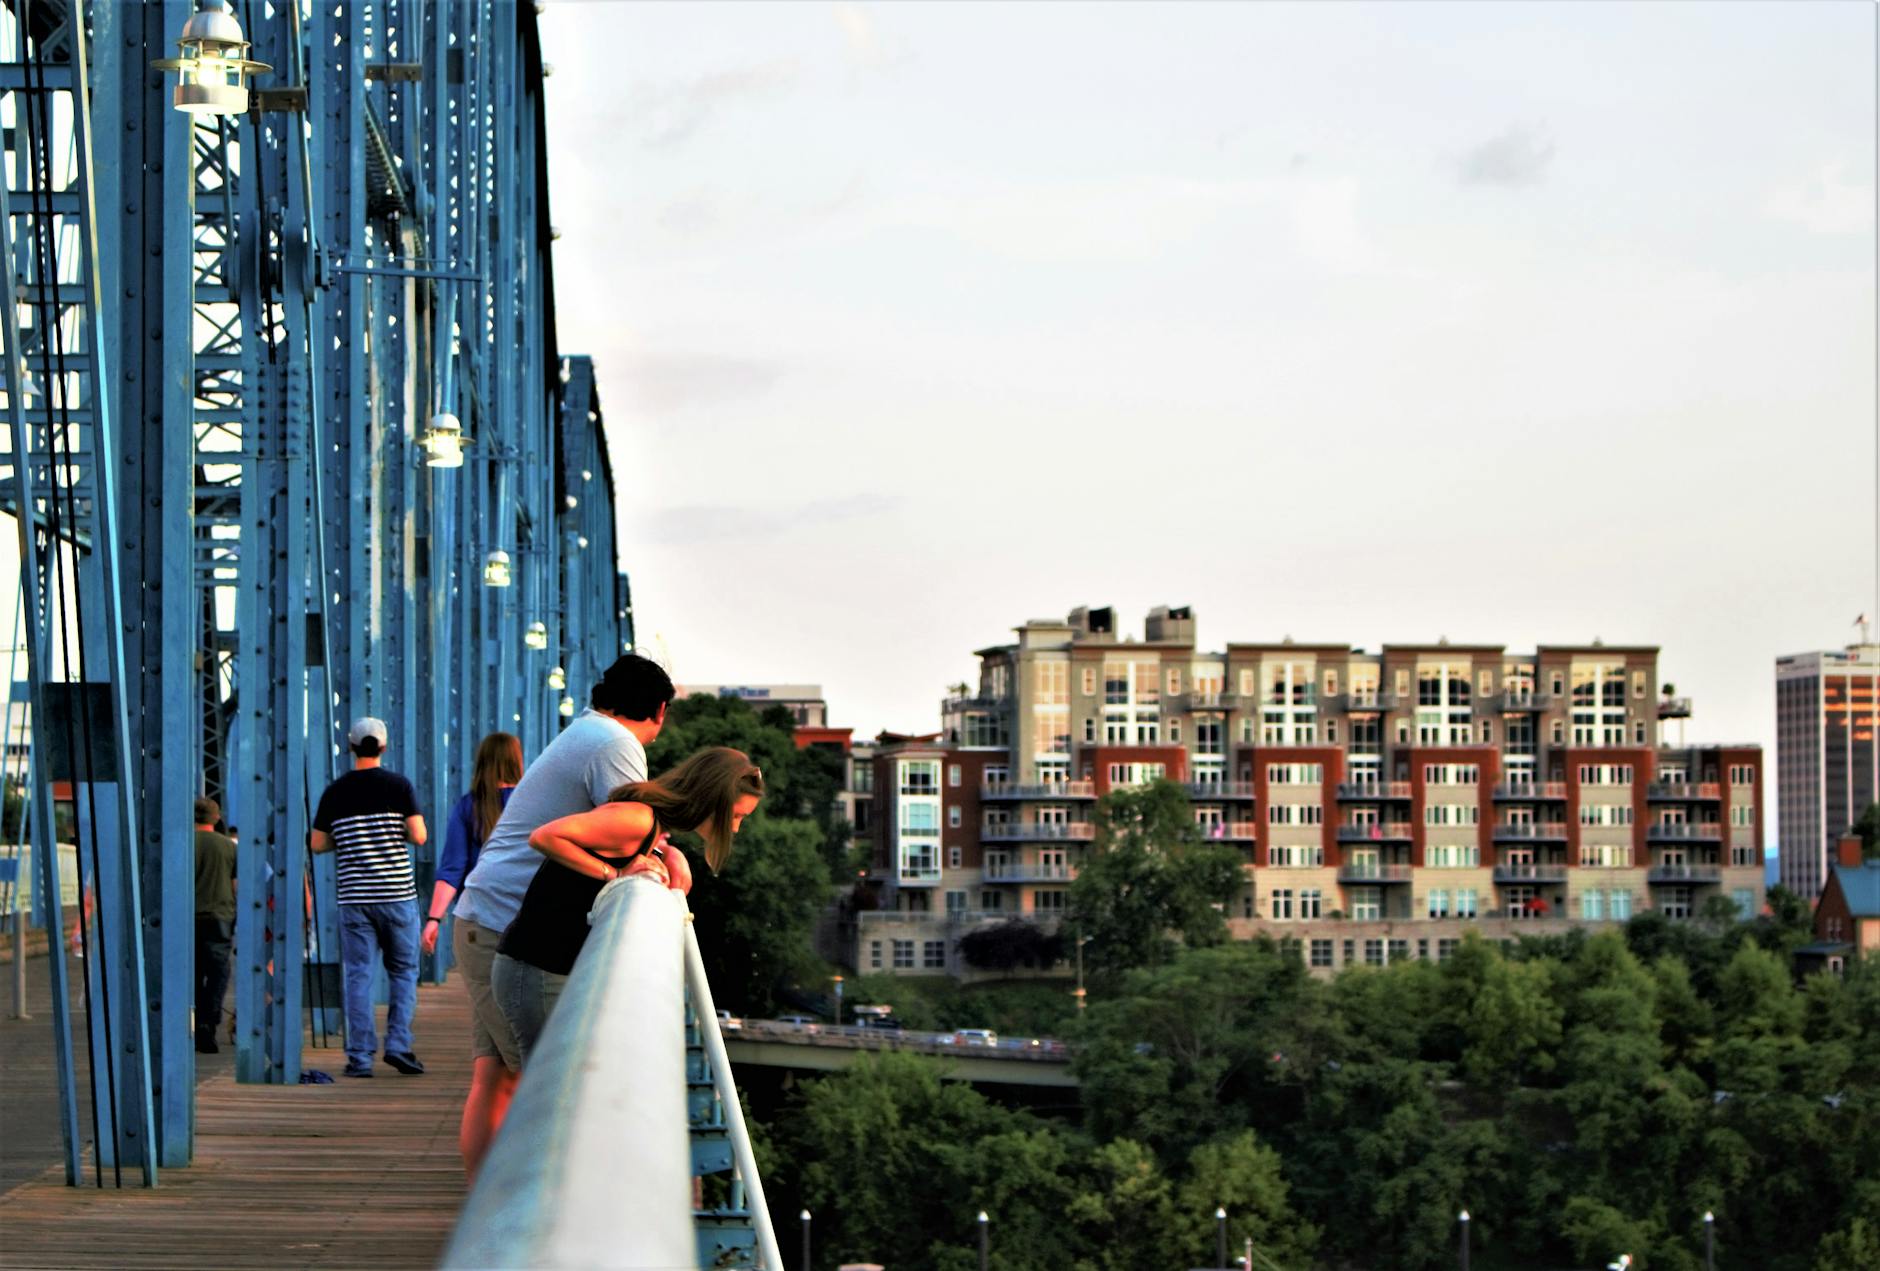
[
  {"x": 837, "y": 981},
  {"x": 443, "y": 441},
  {"x": 804, "y": 1218},
  {"x": 1463, "y": 1218},
  {"x": 496, "y": 569},
  {"x": 536, "y": 637},
  {"x": 557, "y": 678},
  {"x": 212, "y": 72},
  {"x": 1710, "y": 1241},
  {"x": 567, "y": 708},
  {"x": 1078, "y": 992},
  {"x": 985, "y": 1242},
  {"x": 1220, "y": 1237}
]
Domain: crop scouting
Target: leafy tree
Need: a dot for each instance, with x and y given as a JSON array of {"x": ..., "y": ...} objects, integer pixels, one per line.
[
  {"x": 1246, "y": 1178},
  {"x": 1855, "y": 1247},
  {"x": 1125, "y": 1211},
  {"x": 1150, "y": 880},
  {"x": 1868, "y": 828}
]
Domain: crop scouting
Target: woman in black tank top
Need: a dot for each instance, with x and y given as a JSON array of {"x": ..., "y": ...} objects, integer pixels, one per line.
[{"x": 709, "y": 794}]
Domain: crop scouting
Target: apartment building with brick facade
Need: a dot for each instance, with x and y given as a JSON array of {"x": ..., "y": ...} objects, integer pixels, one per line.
[{"x": 1384, "y": 801}]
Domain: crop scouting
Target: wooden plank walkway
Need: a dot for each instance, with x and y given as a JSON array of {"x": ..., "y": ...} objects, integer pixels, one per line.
[{"x": 355, "y": 1174}]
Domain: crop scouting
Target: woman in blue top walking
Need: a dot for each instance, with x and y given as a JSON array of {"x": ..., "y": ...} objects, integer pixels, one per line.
[{"x": 498, "y": 769}]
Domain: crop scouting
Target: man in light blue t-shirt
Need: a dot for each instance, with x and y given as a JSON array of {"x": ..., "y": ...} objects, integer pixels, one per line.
[{"x": 600, "y": 750}]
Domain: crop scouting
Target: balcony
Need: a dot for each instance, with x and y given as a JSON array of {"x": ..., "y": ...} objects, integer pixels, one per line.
[
  {"x": 1388, "y": 832},
  {"x": 1359, "y": 701},
  {"x": 1684, "y": 792},
  {"x": 1372, "y": 872},
  {"x": 1667, "y": 872},
  {"x": 1206, "y": 702},
  {"x": 918, "y": 874},
  {"x": 1230, "y": 832},
  {"x": 1531, "y": 792},
  {"x": 1374, "y": 791},
  {"x": 1055, "y": 791},
  {"x": 1036, "y": 832},
  {"x": 1217, "y": 791},
  {"x": 1030, "y": 872},
  {"x": 1528, "y": 872},
  {"x": 1538, "y": 832},
  {"x": 1674, "y": 708},
  {"x": 1700, "y": 832},
  {"x": 1518, "y": 700}
]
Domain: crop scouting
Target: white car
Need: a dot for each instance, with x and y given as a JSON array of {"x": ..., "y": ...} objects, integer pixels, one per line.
[
  {"x": 729, "y": 1023},
  {"x": 976, "y": 1037}
]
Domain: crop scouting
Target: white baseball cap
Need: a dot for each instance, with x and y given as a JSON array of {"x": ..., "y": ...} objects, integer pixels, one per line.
[{"x": 366, "y": 726}]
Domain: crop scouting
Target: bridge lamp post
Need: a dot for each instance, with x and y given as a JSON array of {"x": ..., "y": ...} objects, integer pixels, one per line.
[
  {"x": 837, "y": 981},
  {"x": 985, "y": 1242},
  {"x": 1710, "y": 1241},
  {"x": 212, "y": 73},
  {"x": 1078, "y": 992},
  {"x": 804, "y": 1217},
  {"x": 1463, "y": 1219},
  {"x": 1220, "y": 1237}
]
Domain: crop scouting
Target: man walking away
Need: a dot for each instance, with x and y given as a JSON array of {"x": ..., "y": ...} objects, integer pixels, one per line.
[
  {"x": 215, "y": 921},
  {"x": 369, "y": 816},
  {"x": 599, "y": 751}
]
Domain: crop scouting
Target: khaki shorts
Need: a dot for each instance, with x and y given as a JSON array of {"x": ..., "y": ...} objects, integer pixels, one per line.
[{"x": 475, "y": 948}]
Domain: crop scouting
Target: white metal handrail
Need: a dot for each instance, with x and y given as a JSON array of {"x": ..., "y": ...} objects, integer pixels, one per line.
[{"x": 593, "y": 1167}]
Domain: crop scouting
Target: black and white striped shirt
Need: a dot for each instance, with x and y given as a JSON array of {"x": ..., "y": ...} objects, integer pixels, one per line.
[{"x": 364, "y": 814}]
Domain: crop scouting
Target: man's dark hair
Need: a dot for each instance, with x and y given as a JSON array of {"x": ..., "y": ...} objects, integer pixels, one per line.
[
  {"x": 633, "y": 688},
  {"x": 367, "y": 747},
  {"x": 208, "y": 811}
]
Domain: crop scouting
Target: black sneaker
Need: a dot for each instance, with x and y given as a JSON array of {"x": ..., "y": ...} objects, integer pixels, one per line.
[
  {"x": 406, "y": 1063},
  {"x": 358, "y": 1070},
  {"x": 205, "y": 1044}
]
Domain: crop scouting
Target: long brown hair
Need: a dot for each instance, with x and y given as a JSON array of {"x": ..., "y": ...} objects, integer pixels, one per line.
[
  {"x": 704, "y": 787},
  {"x": 498, "y": 764}
]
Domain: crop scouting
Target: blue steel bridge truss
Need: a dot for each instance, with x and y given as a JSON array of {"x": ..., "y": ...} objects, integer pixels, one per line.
[{"x": 226, "y": 339}]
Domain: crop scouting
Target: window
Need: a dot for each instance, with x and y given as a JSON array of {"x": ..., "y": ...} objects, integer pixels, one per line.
[
  {"x": 1484, "y": 683},
  {"x": 1295, "y": 814},
  {"x": 1365, "y": 904},
  {"x": 1295, "y": 774},
  {"x": 1556, "y": 683},
  {"x": 1311, "y": 903},
  {"x": 920, "y": 818},
  {"x": 1465, "y": 902},
  {"x": 874, "y": 955},
  {"x": 1742, "y": 774},
  {"x": 1403, "y": 732},
  {"x": 1451, "y": 814},
  {"x": 1605, "y": 774},
  {"x": 1048, "y": 902},
  {"x": 1638, "y": 686},
  {"x": 1175, "y": 730},
  {"x": 1745, "y": 899},
  {"x": 1593, "y": 906},
  {"x": 1452, "y": 774},
  {"x": 1559, "y": 732},
  {"x": 864, "y": 778},
  {"x": 1452, "y": 856},
  {"x": 1090, "y": 729},
  {"x": 1397, "y": 950},
  {"x": 953, "y": 853},
  {"x": 934, "y": 955},
  {"x": 953, "y": 775},
  {"x": 1246, "y": 730},
  {"x": 1331, "y": 682},
  {"x": 1446, "y": 946},
  {"x": 1174, "y": 681},
  {"x": 1351, "y": 952},
  {"x": 956, "y": 901},
  {"x": 1280, "y": 905},
  {"x": 953, "y": 817},
  {"x": 1620, "y": 903},
  {"x": 920, "y": 776},
  {"x": 1742, "y": 816},
  {"x": 1331, "y": 732},
  {"x": 1439, "y": 903},
  {"x": 1605, "y": 814},
  {"x": 1606, "y": 856},
  {"x": 1374, "y": 952},
  {"x": 1136, "y": 774},
  {"x": 1321, "y": 953},
  {"x": 904, "y": 955},
  {"x": 1090, "y": 681},
  {"x": 992, "y": 901},
  {"x": 1209, "y": 737},
  {"x": 1403, "y": 683},
  {"x": 1295, "y": 855},
  {"x": 1488, "y": 732}
]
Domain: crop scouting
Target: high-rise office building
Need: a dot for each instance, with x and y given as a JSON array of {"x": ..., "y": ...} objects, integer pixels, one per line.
[
  {"x": 1827, "y": 766},
  {"x": 1383, "y": 802}
]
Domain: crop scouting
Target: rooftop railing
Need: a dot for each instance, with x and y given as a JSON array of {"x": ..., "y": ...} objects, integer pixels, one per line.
[
  {"x": 1006, "y": 790},
  {"x": 594, "y": 1164}
]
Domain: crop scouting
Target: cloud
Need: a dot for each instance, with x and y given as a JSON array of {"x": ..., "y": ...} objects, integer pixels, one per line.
[
  {"x": 674, "y": 113},
  {"x": 706, "y": 523},
  {"x": 660, "y": 383},
  {"x": 1515, "y": 158},
  {"x": 1830, "y": 204}
]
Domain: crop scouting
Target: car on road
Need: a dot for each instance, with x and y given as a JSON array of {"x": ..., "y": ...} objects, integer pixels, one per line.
[
  {"x": 729, "y": 1023},
  {"x": 803, "y": 1022},
  {"x": 975, "y": 1037}
]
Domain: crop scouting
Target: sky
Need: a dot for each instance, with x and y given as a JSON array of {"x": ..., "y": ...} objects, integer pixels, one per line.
[{"x": 1376, "y": 323}]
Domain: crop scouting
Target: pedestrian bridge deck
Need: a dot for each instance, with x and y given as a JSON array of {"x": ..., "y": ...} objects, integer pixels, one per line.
[{"x": 355, "y": 1174}]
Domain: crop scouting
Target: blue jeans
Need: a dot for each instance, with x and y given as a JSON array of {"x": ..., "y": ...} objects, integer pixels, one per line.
[{"x": 392, "y": 929}]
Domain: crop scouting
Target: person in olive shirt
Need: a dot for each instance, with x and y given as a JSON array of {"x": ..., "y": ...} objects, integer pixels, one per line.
[{"x": 215, "y": 921}]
